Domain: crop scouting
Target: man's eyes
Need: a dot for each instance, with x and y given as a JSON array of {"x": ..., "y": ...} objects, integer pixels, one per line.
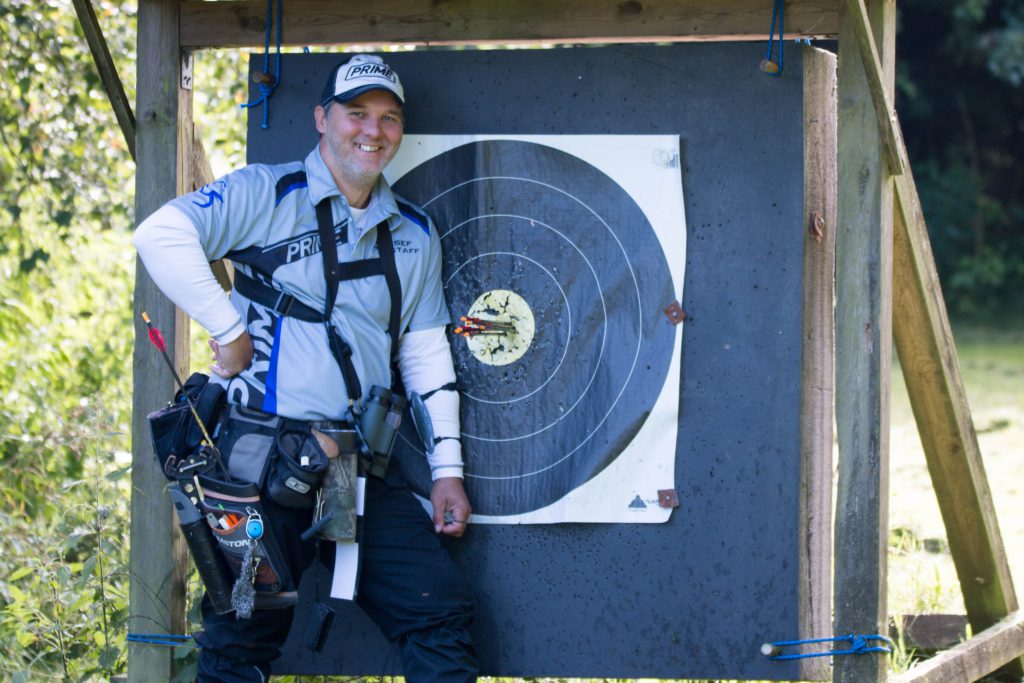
[{"x": 390, "y": 118}]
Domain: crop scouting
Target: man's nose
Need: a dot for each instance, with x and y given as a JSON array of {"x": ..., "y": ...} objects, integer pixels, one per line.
[{"x": 371, "y": 126}]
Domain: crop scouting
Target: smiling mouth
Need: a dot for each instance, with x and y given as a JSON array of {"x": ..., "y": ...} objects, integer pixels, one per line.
[{"x": 368, "y": 148}]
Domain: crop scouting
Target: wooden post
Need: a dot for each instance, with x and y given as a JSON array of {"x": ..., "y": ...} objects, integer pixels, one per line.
[
  {"x": 863, "y": 347},
  {"x": 818, "y": 371},
  {"x": 157, "y": 557}
]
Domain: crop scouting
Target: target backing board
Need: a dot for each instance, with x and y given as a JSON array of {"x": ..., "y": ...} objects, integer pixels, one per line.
[
  {"x": 696, "y": 595},
  {"x": 577, "y": 244}
]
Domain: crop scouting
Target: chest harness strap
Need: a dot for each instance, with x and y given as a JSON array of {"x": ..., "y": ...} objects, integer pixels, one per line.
[{"x": 287, "y": 305}]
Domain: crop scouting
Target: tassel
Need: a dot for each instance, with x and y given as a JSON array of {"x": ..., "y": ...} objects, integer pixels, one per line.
[{"x": 243, "y": 595}]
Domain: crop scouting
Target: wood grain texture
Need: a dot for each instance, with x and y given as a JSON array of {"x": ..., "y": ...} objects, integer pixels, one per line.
[
  {"x": 975, "y": 658},
  {"x": 863, "y": 348},
  {"x": 241, "y": 23},
  {"x": 817, "y": 381},
  {"x": 926, "y": 633},
  {"x": 880, "y": 97},
  {"x": 924, "y": 342},
  {"x": 157, "y": 558}
]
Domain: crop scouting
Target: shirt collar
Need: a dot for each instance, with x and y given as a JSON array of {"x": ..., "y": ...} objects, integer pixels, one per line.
[{"x": 321, "y": 184}]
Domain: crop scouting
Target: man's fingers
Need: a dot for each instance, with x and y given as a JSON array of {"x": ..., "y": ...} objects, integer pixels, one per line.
[
  {"x": 438, "y": 517},
  {"x": 220, "y": 372}
]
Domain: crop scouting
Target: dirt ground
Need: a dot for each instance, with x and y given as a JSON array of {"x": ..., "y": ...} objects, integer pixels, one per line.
[{"x": 921, "y": 574}]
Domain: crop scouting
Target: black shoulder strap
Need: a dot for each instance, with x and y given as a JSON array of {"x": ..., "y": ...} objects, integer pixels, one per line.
[
  {"x": 333, "y": 273},
  {"x": 386, "y": 249},
  {"x": 329, "y": 252}
]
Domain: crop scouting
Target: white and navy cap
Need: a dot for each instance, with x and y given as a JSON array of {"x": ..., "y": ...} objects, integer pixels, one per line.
[{"x": 360, "y": 74}]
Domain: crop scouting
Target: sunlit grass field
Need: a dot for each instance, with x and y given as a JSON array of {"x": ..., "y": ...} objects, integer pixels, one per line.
[{"x": 921, "y": 574}]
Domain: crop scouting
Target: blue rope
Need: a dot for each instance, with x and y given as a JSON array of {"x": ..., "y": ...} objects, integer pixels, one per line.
[
  {"x": 858, "y": 645},
  {"x": 779, "y": 10},
  {"x": 267, "y": 89},
  {"x": 167, "y": 639}
]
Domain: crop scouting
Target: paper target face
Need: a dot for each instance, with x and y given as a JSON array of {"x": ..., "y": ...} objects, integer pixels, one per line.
[{"x": 563, "y": 259}]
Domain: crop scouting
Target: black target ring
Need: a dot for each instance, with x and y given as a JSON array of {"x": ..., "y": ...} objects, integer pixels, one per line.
[{"x": 539, "y": 427}]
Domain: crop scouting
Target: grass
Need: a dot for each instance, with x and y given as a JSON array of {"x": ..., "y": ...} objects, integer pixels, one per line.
[{"x": 921, "y": 574}]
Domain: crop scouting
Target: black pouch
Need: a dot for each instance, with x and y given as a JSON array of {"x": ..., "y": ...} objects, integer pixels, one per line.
[
  {"x": 230, "y": 508},
  {"x": 297, "y": 467},
  {"x": 246, "y": 443},
  {"x": 173, "y": 429}
]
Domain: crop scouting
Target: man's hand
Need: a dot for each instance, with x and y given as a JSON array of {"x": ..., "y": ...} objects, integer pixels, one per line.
[
  {"x": 231, "y": 359},
  {"x": 448, "y": 496}
]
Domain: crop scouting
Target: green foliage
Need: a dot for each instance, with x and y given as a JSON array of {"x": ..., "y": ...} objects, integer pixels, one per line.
[
  {"x": 960, "y": 96},
  {"x": 66, "y": 269},
  {"x": 64, "y": 164},
  {"x": 65, "y": 558}
]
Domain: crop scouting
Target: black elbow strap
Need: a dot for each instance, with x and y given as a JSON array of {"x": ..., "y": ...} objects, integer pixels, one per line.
[{"x": 451, "y": 386}]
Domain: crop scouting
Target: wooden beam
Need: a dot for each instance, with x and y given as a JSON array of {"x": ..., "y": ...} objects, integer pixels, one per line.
[
  {"x": 863, "y": 348},
  {"x": 974, "y": 658},
  {"x": 818, "y": 372},
  {"x": 891, "y": 138},
  {"x": 241, "y": 23},
  {"x": 157, "y": 558},
  {"x": 108, "y": 71},
  {"x": 924, "y": 342},
  {"x": 927, "y": 633}
]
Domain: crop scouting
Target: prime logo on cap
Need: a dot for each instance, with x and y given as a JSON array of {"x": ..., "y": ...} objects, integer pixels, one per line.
[
  {"x": 371, "y": 70},
  {"x": 360, "y": 74}
]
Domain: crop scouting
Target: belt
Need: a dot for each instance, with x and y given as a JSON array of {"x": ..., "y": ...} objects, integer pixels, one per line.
[
  {"x": 342, "y": 433},
  {"x": 332, "y": 425}
]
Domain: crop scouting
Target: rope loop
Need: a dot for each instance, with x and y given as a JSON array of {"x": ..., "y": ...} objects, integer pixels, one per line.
[
  {"x": 165, "y": 639},
  {"x": 859, "y": 644},
  {"x": 267, "y": 89}
]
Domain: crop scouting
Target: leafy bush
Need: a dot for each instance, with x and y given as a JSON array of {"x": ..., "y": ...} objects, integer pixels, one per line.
[{"x": 65, "y": 556}]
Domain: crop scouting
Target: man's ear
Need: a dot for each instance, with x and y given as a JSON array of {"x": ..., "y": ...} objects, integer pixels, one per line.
[{"x": 320, "y": 116}]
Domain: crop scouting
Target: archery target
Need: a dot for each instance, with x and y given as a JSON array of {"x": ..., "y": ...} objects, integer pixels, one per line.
[{"x": 548, "y": 244}]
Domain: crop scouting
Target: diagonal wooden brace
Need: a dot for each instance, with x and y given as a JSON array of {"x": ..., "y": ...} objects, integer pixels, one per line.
[{"x": 888, "y": 124}]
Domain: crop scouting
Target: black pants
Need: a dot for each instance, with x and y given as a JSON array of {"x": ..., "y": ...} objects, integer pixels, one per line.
[{"x": 408, "y": 585}]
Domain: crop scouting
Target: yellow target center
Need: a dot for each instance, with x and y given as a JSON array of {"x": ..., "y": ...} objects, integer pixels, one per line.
[{"x": 504, "y": 306}]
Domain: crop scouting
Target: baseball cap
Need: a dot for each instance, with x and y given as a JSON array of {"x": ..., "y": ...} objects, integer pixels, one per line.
[{"x": 360, "y": 74}]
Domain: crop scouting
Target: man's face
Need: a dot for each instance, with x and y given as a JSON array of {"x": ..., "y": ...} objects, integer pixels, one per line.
[{"x": 360, "y": 137}]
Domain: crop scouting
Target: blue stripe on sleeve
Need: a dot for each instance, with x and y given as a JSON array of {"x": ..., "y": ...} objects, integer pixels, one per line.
[
  {"x": 287, "y": 184},
  {"x": 417, "y": 217}
]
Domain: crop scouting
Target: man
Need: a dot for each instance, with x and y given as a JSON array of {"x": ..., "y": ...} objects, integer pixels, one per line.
[{"x": 265, "y": 220}]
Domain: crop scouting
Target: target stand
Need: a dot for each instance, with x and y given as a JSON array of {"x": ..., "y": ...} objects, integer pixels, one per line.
[{"x": 554, "y": 402}]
